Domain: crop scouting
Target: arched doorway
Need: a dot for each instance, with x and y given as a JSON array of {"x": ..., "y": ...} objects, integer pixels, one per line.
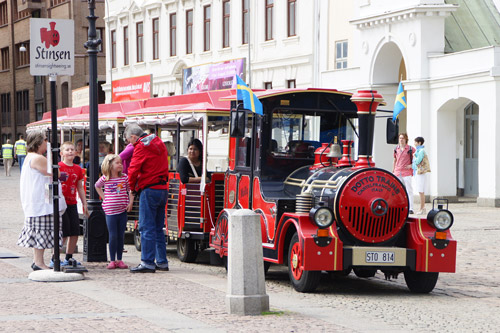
[{"x": 387, "y": 70}]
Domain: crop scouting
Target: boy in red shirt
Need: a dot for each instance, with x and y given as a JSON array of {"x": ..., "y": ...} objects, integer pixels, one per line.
[{"x": 70, "y": 187}]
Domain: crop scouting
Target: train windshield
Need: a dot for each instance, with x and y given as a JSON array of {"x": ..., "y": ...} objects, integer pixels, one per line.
[{"x": 295, "y": 136}]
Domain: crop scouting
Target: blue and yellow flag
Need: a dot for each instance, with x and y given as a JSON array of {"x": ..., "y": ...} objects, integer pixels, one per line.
[
  {"x": 400, "y": 103},
  {"x": 250, "y": 101}
]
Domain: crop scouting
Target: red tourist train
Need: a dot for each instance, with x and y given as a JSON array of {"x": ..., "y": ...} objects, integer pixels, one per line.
[
  {"x": 318, "y": 212},
  {"x": 320, "y": 209}
]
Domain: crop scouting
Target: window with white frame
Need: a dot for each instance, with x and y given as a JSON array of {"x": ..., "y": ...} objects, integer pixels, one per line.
[{"x": 341, "y": 54}]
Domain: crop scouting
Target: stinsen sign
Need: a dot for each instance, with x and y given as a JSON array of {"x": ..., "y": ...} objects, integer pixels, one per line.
[{"x": 52, "y": 47}]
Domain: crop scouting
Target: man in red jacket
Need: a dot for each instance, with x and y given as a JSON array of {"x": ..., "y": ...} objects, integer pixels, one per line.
[{"x": 148, "y": 175}]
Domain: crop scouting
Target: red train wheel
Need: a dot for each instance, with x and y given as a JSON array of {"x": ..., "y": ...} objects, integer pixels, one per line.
[
  {"x": 221, "y": 233},
  {"x": 302, "y": 280}
]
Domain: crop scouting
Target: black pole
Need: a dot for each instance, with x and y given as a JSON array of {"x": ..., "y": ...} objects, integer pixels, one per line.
[
  {"x": 55, "y": 173},
  {"x": 94, "y": 247}
]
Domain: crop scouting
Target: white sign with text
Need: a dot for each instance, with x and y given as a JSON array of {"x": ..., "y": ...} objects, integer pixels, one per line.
[{"x": 52, "y": 47}]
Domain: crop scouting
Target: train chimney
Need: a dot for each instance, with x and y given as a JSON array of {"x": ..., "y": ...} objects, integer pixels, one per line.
[{"x": 367, "y": 102}]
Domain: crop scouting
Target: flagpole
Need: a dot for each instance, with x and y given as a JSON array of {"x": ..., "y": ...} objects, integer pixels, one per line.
[{"x": 249, "y": 62}]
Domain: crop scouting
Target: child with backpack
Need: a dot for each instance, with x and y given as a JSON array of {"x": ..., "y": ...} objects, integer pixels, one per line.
[{"x": 402, "y": 166}]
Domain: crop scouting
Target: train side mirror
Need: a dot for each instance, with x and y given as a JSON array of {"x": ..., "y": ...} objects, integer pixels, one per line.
[
  {"x": 392, "y": 132},
  {"x": 238, "y": 122}
]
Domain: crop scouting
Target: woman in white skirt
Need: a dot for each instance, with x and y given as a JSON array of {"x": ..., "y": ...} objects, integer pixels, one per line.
[
  {"x": 38, "y": 229},
  {"x": 420, "y": 179}
]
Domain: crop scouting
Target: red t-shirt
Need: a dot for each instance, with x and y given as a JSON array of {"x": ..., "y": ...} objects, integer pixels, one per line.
[{"x": 69, "y": 187}]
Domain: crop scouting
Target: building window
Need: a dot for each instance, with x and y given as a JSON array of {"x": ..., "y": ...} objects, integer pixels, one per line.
[
  {"x": 269, "y": 19},
  {"x": 113, "y": 49},
  {"x": 291, "y": 17},
  {"x": 5, "y": 100},
  {"x": 39, "y": 111},
  {"x": 23, "y": 57},
  {"x": 140, "y": 42},
  {"x": 57, "y": 2},
  {"x": 5, "y": 59},
  {"x": 4, "y": 14},
  {"x": 290, "y": 84},
  {"x": 245, "y": 21},
  {"x": 189, "y": 31},
  {"x": 125, "y": 46},
  {"x": 173, "y": 35},
  {"x": 206, "y": 27},
  {"x": 23, "y": 107},
  {"x": 268, "y": 85},
  {"x": 341, "y": 54},
  {"x": 156, "y": 40},
  {"x": 226, "y": 16}
]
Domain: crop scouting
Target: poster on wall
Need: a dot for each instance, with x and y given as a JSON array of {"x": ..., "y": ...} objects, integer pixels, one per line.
[
  {"x": 213, "y": 76},
  {"x": 132, "y": 88}
]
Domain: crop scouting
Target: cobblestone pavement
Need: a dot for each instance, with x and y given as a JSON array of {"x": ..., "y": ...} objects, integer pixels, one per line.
[{"x": 191, "y": 297}]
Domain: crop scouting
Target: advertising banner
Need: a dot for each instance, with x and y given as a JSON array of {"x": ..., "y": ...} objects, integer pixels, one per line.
[
  {"x": 213, "y": 76},
  {"x": 52, "y": 47},
  {"x": 133, "y": 88}
]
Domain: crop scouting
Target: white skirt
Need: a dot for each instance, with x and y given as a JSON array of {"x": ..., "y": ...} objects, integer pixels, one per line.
[{"x": 420, "y": 182}]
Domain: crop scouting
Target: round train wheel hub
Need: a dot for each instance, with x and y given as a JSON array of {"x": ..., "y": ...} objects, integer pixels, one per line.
[
  {"x": 295, "y": 261},
  {"x": 372, "y": 205}
]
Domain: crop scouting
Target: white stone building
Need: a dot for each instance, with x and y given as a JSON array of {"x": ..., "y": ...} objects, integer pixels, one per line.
[
  {"x": 446, "y": 53},
  {"x": 179, "y": 34}
]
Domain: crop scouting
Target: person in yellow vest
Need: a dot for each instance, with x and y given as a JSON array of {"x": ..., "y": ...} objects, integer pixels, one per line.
[
  {"x": 20, "y": 151},
  {"x": 8, "y": 156}
]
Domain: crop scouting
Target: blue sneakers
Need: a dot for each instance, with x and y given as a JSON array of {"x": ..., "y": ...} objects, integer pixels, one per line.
[
  {"x": 70, "y": 262},
  {"x": 65, "y": 263}
]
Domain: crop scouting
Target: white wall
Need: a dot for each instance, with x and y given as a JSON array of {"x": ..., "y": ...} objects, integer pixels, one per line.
[{"x": 281, "y": 59}]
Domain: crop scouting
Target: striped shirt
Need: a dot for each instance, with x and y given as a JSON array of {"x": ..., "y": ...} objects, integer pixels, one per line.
[{"x": 115, "y": 194}]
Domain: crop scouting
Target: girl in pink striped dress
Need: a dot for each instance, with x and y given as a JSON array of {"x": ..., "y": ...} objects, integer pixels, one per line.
[{"x": 117, "y": 201}]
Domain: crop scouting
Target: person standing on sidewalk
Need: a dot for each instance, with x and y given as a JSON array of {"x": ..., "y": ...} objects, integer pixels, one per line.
[
  {"x": 148, "y": 176},
  {"x": 8, "y": 157},
  {"x": 38, "y": 229},
  {"x": 20, "y": 151},
  {"x": 420, "y": 172},
  {"x": 402, "y": 165},
  {"x": 72, "y": 186},
  {"x": 117, "y": 201}
]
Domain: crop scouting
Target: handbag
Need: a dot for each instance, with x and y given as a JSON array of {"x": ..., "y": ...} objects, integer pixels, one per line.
[{"x": 423, "y": 166}]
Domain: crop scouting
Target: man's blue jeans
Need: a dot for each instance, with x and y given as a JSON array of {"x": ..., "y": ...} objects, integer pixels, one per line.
[
  {"x": 151, "y": 222},
  {"x": 20, "y": 159}
]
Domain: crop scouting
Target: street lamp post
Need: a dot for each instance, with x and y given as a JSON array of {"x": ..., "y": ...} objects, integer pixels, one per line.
[{"x": 94, "y": 248}]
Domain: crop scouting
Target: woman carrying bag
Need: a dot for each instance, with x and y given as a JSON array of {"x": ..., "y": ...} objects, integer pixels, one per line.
[{"x": 420, "y": 167}]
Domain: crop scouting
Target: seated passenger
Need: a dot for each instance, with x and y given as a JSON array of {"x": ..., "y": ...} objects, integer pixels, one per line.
[{"x": 191, "y": 167}]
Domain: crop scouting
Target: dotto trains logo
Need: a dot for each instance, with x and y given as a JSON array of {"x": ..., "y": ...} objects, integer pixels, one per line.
[
  {"x": 50, "y": 37},
  {"x": 375, "y": 184}
]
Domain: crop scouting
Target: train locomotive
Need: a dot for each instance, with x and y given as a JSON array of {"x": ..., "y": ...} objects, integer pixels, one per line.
[{"x": 320, "y": 210}]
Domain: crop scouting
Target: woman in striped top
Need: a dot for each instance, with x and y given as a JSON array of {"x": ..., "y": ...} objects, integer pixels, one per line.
[{"x": 117, "y": 201}]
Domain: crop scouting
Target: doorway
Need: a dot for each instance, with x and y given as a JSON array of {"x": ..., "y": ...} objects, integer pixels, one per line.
[{"x": 471, "y": 150}]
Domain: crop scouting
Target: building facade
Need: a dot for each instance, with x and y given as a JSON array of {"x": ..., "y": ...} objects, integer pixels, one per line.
[
  {"x": 25, "y": 98},
  {"x": 164, "y": 37},
  {"x": 446, "y": 54}
]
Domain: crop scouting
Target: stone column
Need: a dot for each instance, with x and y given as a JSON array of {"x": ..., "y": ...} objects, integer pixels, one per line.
[{"x": 246, "y": 288}]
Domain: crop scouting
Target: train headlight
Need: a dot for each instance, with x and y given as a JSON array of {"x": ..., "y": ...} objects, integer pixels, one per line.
[
  {"x": 322, "y": 216},
  {"x": 440, "y": 219}
]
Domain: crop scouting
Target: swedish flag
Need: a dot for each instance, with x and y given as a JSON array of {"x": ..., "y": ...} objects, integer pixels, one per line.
[
  {"x": 400, "y": 103},
  {"x": 250, "y": 101}
]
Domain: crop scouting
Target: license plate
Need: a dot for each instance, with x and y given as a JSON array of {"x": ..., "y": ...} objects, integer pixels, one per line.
[{"x": 379, "y": 257}]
